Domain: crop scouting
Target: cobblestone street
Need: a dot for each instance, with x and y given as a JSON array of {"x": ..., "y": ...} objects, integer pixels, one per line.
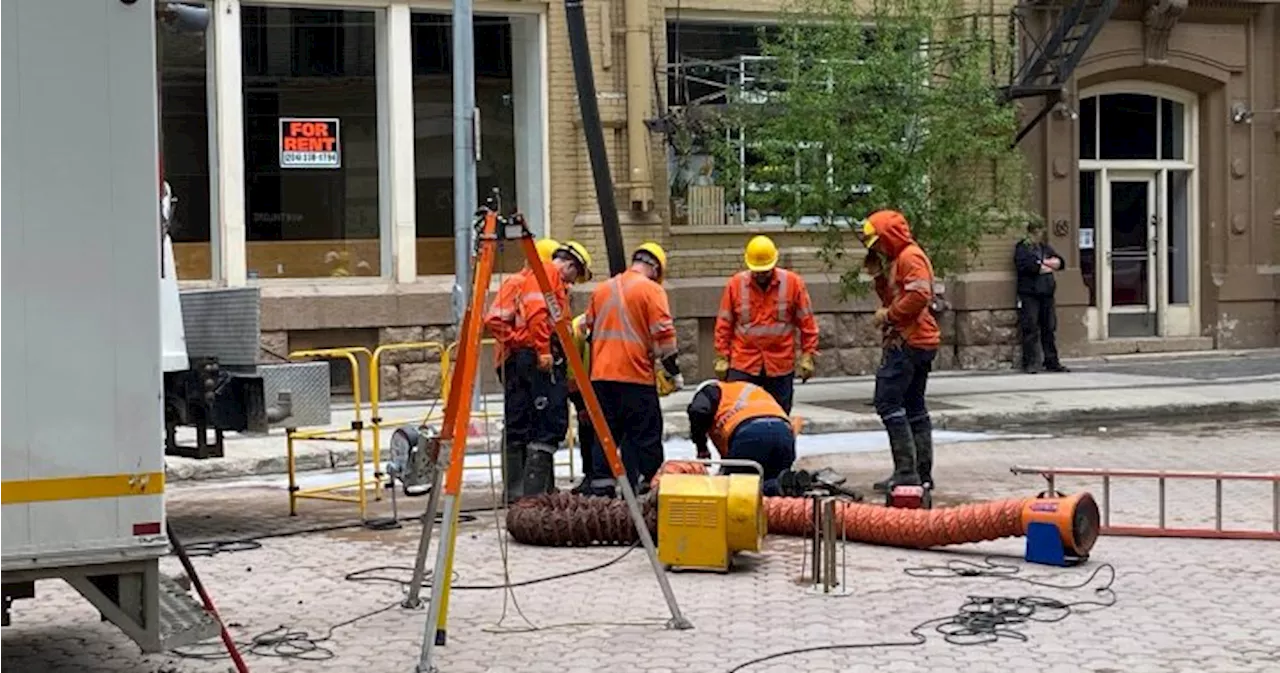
[{"x": 1180, "y": 605}]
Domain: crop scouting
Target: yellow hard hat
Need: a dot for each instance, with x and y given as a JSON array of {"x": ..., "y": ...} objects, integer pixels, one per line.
[
  {"x": 580, "y": 255},
  {"x": 867, "y": 234},
  {"x": 761, "y": 254},
  {"x": 658, "y": 254},
  {"x": 547, "y": 247}
]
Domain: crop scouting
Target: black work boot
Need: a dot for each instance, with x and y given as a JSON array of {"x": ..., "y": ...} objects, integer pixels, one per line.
[
  {"x": 922, "y": 435},
  {"x": 539, "y": 469},
  {"x": 513, "y": 471},
  {"x": 902, "y": 446}
]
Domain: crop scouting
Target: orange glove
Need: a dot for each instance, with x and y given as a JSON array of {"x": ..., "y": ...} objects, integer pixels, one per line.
[{"x": 544, "y": 362}]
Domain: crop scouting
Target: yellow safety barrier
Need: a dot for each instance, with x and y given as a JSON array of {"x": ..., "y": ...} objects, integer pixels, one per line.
[
  {"x": 353, "y": 434},
  {"x": 446, "y": 377}
]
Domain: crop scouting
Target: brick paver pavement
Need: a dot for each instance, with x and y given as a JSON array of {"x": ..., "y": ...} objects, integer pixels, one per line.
[{"x": 1182, "y": 605}]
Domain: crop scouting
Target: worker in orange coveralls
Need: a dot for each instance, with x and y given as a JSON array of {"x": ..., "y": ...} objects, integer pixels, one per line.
[
  {"x": 631, "y": 328},
  {"x": 743, "y": 421},
  {"x": 760, "y": 310},
  {"x": 904, "y": 282},
  {"x": 535, "y": 396}
]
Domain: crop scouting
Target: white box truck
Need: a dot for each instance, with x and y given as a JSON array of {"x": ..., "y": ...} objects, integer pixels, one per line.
[{"x": 82, "y": 402}]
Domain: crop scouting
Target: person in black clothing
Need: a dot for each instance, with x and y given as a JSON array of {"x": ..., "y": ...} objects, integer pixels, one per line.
[{"x": 1036, "y": 261}]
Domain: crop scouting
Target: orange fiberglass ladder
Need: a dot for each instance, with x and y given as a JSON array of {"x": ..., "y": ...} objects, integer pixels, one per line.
[
  {"x": 1162, "y": 477},
  {"x": 493, "y": 228}
]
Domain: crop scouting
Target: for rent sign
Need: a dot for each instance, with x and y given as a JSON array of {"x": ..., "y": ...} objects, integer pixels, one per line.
[{"x": 309, "y": 143}]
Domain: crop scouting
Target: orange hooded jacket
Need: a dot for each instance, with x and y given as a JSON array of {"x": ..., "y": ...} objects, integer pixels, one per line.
[{"x": 907, "y": 286}]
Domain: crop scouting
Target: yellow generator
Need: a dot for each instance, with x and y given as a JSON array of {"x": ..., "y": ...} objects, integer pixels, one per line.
[{"x": 704, "y": 519}]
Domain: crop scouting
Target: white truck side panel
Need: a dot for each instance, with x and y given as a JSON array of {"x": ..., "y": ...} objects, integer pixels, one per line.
[{"x": 81, "y": 275}]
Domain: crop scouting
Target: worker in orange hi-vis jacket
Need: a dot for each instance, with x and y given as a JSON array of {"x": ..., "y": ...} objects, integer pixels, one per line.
[
  {"x": 535, "y": 396},
  {"x": 743, "y": 421},
  {"x": 904, "y": 282},
  {"x": 631, "y": 328},
  {"x": 760, "y": 311}
]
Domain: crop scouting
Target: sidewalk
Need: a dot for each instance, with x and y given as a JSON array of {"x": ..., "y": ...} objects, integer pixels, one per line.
[{"x": 1109, "y": 389}]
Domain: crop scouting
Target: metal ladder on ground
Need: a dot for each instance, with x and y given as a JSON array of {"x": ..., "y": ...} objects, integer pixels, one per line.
[{"x": 1162, "y": 477}]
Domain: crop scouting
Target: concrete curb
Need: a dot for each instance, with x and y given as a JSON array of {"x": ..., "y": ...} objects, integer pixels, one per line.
[{"x": 313, "y": 458}]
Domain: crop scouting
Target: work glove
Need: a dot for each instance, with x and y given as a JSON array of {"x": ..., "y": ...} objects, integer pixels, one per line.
[
  {"x": 545, "y": 361},
  {"x": 678, "y": 382},
  {"x": 722, "y": 367},
  {"x": 881, "y": 316},
  {"x": 805, "y": 367},
  {"x": 664, "y": 383}
]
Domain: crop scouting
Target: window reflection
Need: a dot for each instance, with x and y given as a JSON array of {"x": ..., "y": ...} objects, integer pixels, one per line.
[
  {"x": 311, "y": 142},
  {"x": 184, "y": 147},
  {"x": 433, "y": 129}
]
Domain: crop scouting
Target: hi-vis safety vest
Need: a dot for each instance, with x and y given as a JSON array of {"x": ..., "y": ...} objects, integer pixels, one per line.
[
  {"x": 631, "y": 326},
  {"x": 740, "y": 401},
  {"x": 519, "y": 317},
  {"x": 756, "y": 327}
]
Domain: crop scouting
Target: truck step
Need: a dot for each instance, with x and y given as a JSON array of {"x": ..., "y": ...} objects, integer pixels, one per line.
[{"x": 183, "y": 620}]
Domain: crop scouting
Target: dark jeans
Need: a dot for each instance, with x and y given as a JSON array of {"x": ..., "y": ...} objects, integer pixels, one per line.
[
  {"x": 635, "y": 420},
  {"x": 1038, "y": 321},
  {"x": 781, "y": 387},
  {"x": 768, "y": 441},
  {"x": 900, "y": 384},
  {"x": 535, "y": 403},
  {"x": 586, "y": 433}
]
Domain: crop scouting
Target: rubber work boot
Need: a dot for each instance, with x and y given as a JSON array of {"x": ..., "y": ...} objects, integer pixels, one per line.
[
  {"x": 922, "y": 435},
  {"x": 539, "y": 469},
  {"x": 513, "y": 469},
  {"x": 902, "y": 446}
]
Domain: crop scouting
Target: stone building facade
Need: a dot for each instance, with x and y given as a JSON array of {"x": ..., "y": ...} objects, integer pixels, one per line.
[{"x": 1158, "y": 176}]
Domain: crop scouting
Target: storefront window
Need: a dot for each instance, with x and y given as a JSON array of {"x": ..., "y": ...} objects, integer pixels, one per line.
[
  {"x": 311, "y": 142},
  {"x": 184, "y": 148},
  {"x": 433, "y": 129}
]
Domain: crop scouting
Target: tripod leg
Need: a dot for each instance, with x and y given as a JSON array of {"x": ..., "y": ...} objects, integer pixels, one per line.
[{"x": 412, "y": 600}]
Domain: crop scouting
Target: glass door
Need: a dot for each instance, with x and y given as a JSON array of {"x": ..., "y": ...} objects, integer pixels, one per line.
[{"x": 1130, "y": 255}]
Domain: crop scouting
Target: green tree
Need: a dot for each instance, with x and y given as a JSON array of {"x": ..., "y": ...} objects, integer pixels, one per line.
[{"x": 891, "y": 106}]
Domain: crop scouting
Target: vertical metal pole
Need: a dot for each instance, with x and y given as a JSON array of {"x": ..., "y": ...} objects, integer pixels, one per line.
[
  {"x": 1106, "y": 501},
  {"x": 816, "y": 561},
  {"x": 1162, "y": 483},
  {"x": 1217, "y": 503},
  {"x": 465, "y": 156},
  {"x": 464, "y": 153},
  {"x": 1275, "y": 506}
]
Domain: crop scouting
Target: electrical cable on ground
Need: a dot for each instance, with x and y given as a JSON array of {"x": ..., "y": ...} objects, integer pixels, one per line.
[
  {"x": 250, "y": 543},
  {"x": 980, "y": 620}
]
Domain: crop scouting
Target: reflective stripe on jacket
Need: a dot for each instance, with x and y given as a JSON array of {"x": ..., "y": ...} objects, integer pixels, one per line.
[
  {"x": 756, "y": 327},
  {"x": 907, "y": 286},
  {"x": 519, "y": 317},
  {"x": 631, "y": 326},
  {"x": 740, "y": 401}
]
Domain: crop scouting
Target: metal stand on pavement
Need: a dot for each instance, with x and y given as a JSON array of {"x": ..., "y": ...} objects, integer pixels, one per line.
[
  {"x": 457, "y": 417},
  {"x": 828, "y": 578}
]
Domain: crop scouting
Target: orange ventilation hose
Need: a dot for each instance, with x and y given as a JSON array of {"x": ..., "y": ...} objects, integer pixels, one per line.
[
  {"x": 894, "y": 527},
  {"x": 566, "y": 520}
]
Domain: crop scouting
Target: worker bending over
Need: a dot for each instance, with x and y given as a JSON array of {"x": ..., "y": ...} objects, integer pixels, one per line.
[
  {"x": 904, "y": 282},
  {"x": 631, "y": 329},
  {"x": 760, "y": 310},
  {"x": 743, "y": 421},
  {"x": 535, "y": 395}
]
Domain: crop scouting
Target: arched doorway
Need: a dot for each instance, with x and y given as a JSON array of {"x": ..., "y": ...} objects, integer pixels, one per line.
[{"x": 1139, "y": 233}]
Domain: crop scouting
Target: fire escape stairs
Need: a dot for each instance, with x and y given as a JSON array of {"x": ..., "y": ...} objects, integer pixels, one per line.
[{"x": 1046, "y": 71}]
